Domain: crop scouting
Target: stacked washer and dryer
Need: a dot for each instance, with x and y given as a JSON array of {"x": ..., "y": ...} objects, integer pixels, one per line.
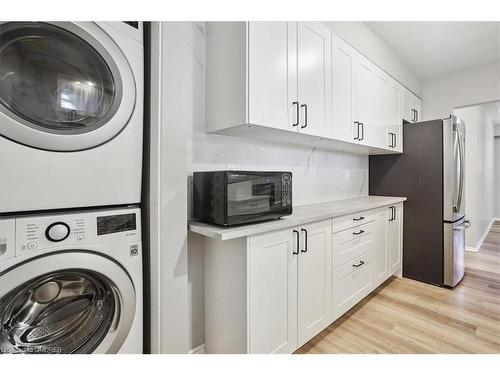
[{"x": 71, "y": 122}]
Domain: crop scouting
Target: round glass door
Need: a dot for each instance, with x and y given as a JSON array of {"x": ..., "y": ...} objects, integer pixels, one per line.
[
  {"x": 52, "y": 78},
  {"x": 47, "y": 306},
  {"x": 63, "y": 86},
  {"x": 63, "y": 312}
]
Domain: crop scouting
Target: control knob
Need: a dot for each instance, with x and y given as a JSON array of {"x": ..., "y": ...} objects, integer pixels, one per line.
[{"x": 57, "y": 232}]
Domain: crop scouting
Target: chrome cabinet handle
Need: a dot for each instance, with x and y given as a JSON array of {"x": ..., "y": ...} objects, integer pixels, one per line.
[
  {"x": 357, "y": 129},
  {"x": 393, "y": 213},
  {"x": 305, "y": 115},
  {"x": 297, "y": 112},
  {"x": 305, "y": 241},
  {"x": 358, "y": 218},
  {"x": 362, "y": 131},
  {"x": 359, "y": 264},
  {"x": 395, "y": 140},
  {"x": 298, "y": 235},
  {"x": 361, "y": 231}
]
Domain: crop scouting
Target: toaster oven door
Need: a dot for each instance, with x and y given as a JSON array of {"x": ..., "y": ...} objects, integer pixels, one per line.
[{"x": 257, "y": 196}]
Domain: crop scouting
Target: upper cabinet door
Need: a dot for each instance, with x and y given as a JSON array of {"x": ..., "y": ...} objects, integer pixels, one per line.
[
  {"x": 417, "y": 107},
  {"x": 272, "y": 300},
  {"x": 364, "y": 77},
  {"x": 314, "y": 280},
  {"x": 314, "y": 79},
  {"x": 380, "y": 123},
  {"x": 343, "y": 65},
  {"x": 407, "y": 105},
  {"x": 272, "y": 70},
  {"x": 395, "y": 133}
]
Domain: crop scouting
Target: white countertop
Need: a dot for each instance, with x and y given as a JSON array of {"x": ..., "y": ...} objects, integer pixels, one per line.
[{"x": 301, "y": 215}]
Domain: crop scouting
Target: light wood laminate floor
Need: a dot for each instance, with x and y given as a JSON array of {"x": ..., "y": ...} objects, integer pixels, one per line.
[{"x": 406, "y": 316}]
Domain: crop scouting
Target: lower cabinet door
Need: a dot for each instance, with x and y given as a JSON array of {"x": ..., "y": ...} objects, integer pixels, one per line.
[
  {"x": 351, "y": 283},
  {"x": 314, "y": 280},
  {"x": 381, "y": 255},
  {"x": 272, "y": 298},
  {"x": 395, "y": 240}
]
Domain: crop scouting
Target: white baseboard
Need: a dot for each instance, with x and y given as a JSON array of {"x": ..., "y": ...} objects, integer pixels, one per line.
[
  {"x": 483, "y": 237},
  {"x": 200, "y": 349}
]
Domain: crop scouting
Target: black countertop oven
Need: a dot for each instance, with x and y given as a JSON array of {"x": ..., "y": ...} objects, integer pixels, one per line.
[{"x": 239, "y": 197}]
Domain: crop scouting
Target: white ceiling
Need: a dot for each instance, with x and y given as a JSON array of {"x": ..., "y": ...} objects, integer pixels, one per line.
[{"x": 434, "y": 48}]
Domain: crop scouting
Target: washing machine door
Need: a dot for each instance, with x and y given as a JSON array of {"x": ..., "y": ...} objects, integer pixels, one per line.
[
  {"x": 64, "y": 86},
  {"x": 67, "y": 302}
]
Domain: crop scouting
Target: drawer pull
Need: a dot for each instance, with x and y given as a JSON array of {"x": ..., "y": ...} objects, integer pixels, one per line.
[
  {"x": 361, "y": 231},
  {"x": 359, "y": 264},
  {"x": 358, "y": 218}
]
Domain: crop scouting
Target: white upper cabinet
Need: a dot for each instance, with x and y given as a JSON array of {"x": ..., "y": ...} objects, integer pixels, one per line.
[
  {"x": 381, "y": 121},
  {"x": 251, "y": 75},
  {"x": 395, "y": 130},
  {"x": 412, "y": 106},
  {"x": 407, "y": 108},
  {"x": 298, "y": 82},
  {"x": 313, "y": 78},
  {"x": 417, "y": 107},
  {"x": 343, "y": 67},
  {"x": 363, "y": 99},
  {"x": 272, "y": 68}
]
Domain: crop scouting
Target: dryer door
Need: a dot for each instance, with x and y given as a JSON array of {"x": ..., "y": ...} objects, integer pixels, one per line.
[
  {"x": 64, "y": 86},
  {"x": 66, "y": 302}
]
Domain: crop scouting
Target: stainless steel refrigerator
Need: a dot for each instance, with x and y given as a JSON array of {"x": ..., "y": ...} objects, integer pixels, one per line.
[{"x": 430, "y": 173}]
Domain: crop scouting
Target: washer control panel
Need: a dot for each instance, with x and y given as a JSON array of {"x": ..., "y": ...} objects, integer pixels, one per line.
[
  {"x": 42, "y": 232},
  {"x": 22, "y": 235}
]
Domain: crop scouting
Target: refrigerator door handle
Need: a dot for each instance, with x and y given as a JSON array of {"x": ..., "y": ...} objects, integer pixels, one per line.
[{"x": 461, "y": 169}]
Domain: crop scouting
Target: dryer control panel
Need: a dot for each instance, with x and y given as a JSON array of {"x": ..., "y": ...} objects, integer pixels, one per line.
[{"x": 21, "y": 235}]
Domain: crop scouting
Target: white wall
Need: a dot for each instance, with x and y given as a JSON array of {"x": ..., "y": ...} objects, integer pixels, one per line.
[
  {"x": 480, "y": 194},
  {"x": 496, "y": 188},
  {"x": 173, "y": 103},
  {"x": 318, "y": 175},
  {"x": 358, "y": 35},
  {"x": 472, "y": 86}
]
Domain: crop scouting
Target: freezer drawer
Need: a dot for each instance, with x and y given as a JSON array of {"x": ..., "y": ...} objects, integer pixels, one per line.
[{"x": 454, "y": 247}]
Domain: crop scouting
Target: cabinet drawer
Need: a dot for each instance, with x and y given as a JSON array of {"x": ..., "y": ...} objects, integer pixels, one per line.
[
  {"x": 351, "y": 283},
  {"x": 352, "y": 243},
  {"x": 350, "y": 221}
]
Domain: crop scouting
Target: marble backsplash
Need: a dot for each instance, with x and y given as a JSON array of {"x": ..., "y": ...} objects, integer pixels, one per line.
[{"x": 318, "y": 175}]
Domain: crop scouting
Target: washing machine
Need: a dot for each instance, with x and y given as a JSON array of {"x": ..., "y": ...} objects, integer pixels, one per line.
[
  {"x": 71, "y": 114},
  {"x": 71, "y": 283}
]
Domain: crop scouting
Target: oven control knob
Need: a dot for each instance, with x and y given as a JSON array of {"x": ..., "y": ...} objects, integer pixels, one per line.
[{"x": 57, "y": 232}]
